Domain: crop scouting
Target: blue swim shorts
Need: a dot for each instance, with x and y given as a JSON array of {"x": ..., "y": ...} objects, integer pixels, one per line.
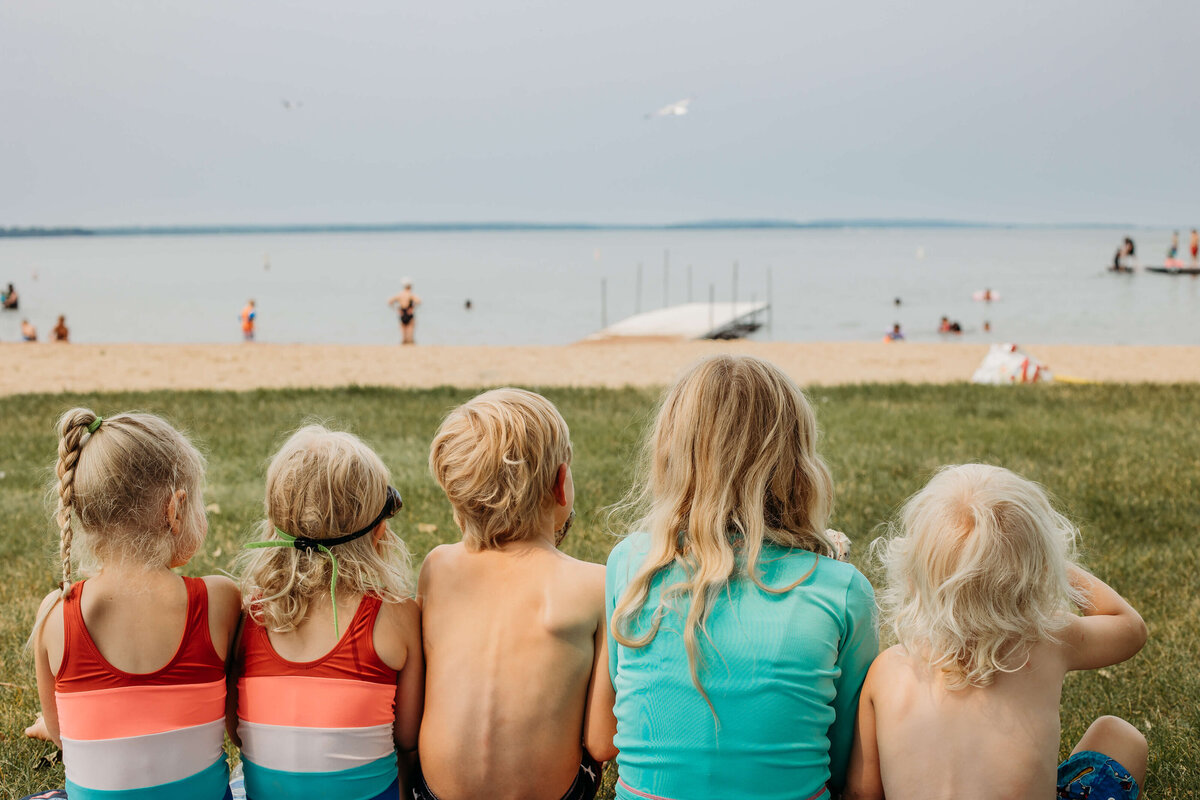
[{"x": 1088, "y": 775}]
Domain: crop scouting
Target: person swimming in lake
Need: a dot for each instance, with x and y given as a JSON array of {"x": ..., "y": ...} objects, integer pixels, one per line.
[
  {"x": 1194, "y": 246},
  {"x": 947, "y": 326},
  {"x": 894, "y": 335},
  {"x": 1173, "y": 260},
  {"x": 60, "y": 332},
  {"x": 406, "y": 304},
  {"x": 1123, "y": 260},
  {"x": 10, "y": 299},
  {"x": 28, "y": 332}
]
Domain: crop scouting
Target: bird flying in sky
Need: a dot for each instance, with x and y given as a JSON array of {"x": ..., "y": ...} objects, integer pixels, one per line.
[{"x": 676, "y": 109}]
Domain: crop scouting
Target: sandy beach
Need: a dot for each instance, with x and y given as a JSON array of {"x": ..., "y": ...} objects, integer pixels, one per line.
[{"x": 35, "y": 368}]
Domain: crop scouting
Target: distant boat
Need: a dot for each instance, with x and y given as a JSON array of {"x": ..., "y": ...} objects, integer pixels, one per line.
[{"x": 722, "y": 320}]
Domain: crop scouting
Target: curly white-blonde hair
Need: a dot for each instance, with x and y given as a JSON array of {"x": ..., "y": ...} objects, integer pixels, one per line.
[
  {"x": 320, "y": 485},
  {"x": 977, "y": 572}
]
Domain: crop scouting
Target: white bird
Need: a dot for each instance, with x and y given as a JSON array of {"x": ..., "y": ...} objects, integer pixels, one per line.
[{"x": 676, "y": 109}]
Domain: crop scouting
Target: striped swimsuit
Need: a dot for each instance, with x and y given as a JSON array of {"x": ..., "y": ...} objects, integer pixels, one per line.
[
  {"x": 318, "y": 728},
  {"x": 144, "y": 736}
]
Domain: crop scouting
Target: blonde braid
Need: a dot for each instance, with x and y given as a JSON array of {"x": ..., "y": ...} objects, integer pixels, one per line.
[{"x": 74, "y": 425}]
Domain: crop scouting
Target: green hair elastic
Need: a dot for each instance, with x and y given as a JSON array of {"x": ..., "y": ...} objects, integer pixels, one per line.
[
  {"x": 391, "y": 505},
  {"x": 95, "y": 426}
]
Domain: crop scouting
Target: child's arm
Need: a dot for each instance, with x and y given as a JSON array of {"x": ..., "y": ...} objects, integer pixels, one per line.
[
  {"x": 1110, "y": 630},
  {"x": 398, "y": 644},
  {"x": 599, "y": 722},
  {"x": 224, "y": 629},
  {"x": 863, "y": 778},
  {"x": 856, "y": 651},
  {"x": 45, "y": 676}
]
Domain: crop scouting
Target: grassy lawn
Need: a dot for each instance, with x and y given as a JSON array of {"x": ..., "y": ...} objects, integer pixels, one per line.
[{"x": 1124, "y": 461}]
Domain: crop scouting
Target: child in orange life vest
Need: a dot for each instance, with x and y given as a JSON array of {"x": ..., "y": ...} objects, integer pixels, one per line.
[
  {"x": 329, "y": 673},
  {"x": 131, "y": 661},
  {"x": 248, "y": 316}
]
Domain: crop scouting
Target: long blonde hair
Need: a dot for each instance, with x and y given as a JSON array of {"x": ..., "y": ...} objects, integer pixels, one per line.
[
  {"x": 977, "y": 572},
  {"x": 116, "y": 482},
  {"x": 731, "y": 463},
  {"x": 320, "y": 485}
]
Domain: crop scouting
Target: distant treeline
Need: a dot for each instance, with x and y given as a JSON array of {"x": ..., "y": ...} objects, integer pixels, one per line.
[
  {"x": 45, "y": 232},
  {"x": 443, "y": 227}
]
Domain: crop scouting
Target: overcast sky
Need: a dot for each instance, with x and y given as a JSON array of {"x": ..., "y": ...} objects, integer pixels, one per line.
[{"x": 170, "y": 112}]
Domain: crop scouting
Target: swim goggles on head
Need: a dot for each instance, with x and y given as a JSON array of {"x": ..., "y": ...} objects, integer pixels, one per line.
[{"x": 391, "y": 504}]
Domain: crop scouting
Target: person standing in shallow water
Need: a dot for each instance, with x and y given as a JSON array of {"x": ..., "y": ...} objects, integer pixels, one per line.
[
  {"x": 248, "y": 316},
  {"x": 406, "y": 304}
]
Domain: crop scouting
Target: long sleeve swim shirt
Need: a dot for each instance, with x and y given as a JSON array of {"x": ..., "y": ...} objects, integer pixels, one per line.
[{"x": 783, "y": 672}]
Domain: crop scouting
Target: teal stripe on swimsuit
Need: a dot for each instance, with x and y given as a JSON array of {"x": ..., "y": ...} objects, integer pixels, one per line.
[
  {"x": 208, "y": 784},
  {"x": 357, "y": 783}
]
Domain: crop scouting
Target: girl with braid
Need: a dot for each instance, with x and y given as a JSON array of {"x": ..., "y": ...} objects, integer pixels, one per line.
[{"x": 131, "y": 660}]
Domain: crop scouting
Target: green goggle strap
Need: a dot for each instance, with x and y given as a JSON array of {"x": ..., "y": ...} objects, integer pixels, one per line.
[{"x": 290, "y": 541}]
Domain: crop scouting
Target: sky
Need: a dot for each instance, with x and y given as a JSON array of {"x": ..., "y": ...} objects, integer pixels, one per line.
[{"x": 171, "y": 113}]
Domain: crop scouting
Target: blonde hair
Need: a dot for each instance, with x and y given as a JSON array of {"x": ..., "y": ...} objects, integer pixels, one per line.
[
  {"x": 320, "y": 485},
  {"x": 731, "y": 463},
  {"x": 116, "y": 482},
  {"x": 496, "y": 458},
  {"x": 977, "y": 572}
]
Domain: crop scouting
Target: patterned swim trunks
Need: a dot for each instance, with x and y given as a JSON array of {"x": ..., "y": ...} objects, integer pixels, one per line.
[{"x": 1088, "y": 775}]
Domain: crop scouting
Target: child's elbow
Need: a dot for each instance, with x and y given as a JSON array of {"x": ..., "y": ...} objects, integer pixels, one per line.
[
  {"x": 601, "y": 748},
  {"x": 1138, "y": 633}
]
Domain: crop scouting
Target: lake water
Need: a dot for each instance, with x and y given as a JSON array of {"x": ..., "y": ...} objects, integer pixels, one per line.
[{"x": 544, "y": 287}]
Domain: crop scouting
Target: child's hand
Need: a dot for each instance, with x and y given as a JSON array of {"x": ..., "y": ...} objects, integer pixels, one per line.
[
  {"x": 38, "y": 730},
  {"x": 841, "y": 544}
]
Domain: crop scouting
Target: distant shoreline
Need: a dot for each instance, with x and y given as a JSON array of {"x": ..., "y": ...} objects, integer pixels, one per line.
[
  {"x": 51, "y": 368},
  {"x": 550, "y": 227}
]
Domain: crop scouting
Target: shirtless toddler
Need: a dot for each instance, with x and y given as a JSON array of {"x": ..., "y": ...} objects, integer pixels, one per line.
[
  {"x": 980, "y": 589},
  {"x": 518, "y": 702}
]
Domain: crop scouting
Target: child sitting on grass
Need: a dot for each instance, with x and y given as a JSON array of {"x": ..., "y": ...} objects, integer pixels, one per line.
[
  {"x": 329, "y": 668},
  {"x": 517, "y": 702},
  {"x": 981, "y": 583},
  {"x": 131, "y": 661}
]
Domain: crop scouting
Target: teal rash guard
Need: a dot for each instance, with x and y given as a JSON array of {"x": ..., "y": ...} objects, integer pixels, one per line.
[{"x": 783, "y": 672}]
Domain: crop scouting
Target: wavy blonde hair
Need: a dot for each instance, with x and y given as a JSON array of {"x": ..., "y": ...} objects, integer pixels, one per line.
[
  {"x": 496, "y": 457},
  {"x": 322, "y": 484},
  {"x": 113, "y": 488},
  {"x": 731, "y": 463},
  {"x": 977, "y": 572}
]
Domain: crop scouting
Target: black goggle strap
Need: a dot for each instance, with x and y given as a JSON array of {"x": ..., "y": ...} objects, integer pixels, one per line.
[{"x": 390, "y": 507}]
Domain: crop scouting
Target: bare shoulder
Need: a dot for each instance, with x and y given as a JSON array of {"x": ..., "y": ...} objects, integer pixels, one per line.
[
  {"x": 51, "y": 611},
  {"x": 440, "y": 559},
  {"x": 889, "y": 666},
  {"x": 397, "y": 632},
  {"x": 588, "y": 575},
  {"x": 224, "y": 596}
]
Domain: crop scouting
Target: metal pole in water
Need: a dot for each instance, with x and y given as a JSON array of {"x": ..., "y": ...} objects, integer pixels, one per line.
[
  {"x": 712, "y": 306},
  {"x": 603, "y": 303},
  {"x": 735, "y": 267},
  {"x": 770, "y": 308},
  {"x": 666, "y": 266},
  {"x": 637, "y": 300}
]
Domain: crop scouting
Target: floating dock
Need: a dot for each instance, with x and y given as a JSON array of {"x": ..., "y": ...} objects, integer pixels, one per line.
[{"x": 689, "y": 321}]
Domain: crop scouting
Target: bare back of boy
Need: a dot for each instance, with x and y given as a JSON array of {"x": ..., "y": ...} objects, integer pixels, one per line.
[
  {"x": 513, "y": 638},
  {"x": 996, "y": 742}
]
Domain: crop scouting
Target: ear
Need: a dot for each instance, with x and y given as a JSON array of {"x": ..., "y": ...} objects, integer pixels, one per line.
[
  {"x": 378, "y": 534},
  {"x": 174, "y": 510},
  {"x": 560, "y": 485}
]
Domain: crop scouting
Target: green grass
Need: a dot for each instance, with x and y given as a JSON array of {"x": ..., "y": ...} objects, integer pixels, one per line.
[{"x": 1124, "y": 461}]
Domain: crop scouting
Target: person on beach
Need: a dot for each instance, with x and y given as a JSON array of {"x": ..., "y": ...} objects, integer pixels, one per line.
[
  {"x": 738, "y": 642},
  {"x": 981, "y": 584},
  {"x": 248, "y": 317},
  {"x": 60, "y": 332},
  {"x": 11, "y": 300},
  {"x": 517, "y": 701},
  {"x": 895, "y": 334},
  {"x": 406, "y": 304},
  {"x": 131, "y": 660},
  {"x": 28, "y": 331},
  {"x": 328, "y": 669}
]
